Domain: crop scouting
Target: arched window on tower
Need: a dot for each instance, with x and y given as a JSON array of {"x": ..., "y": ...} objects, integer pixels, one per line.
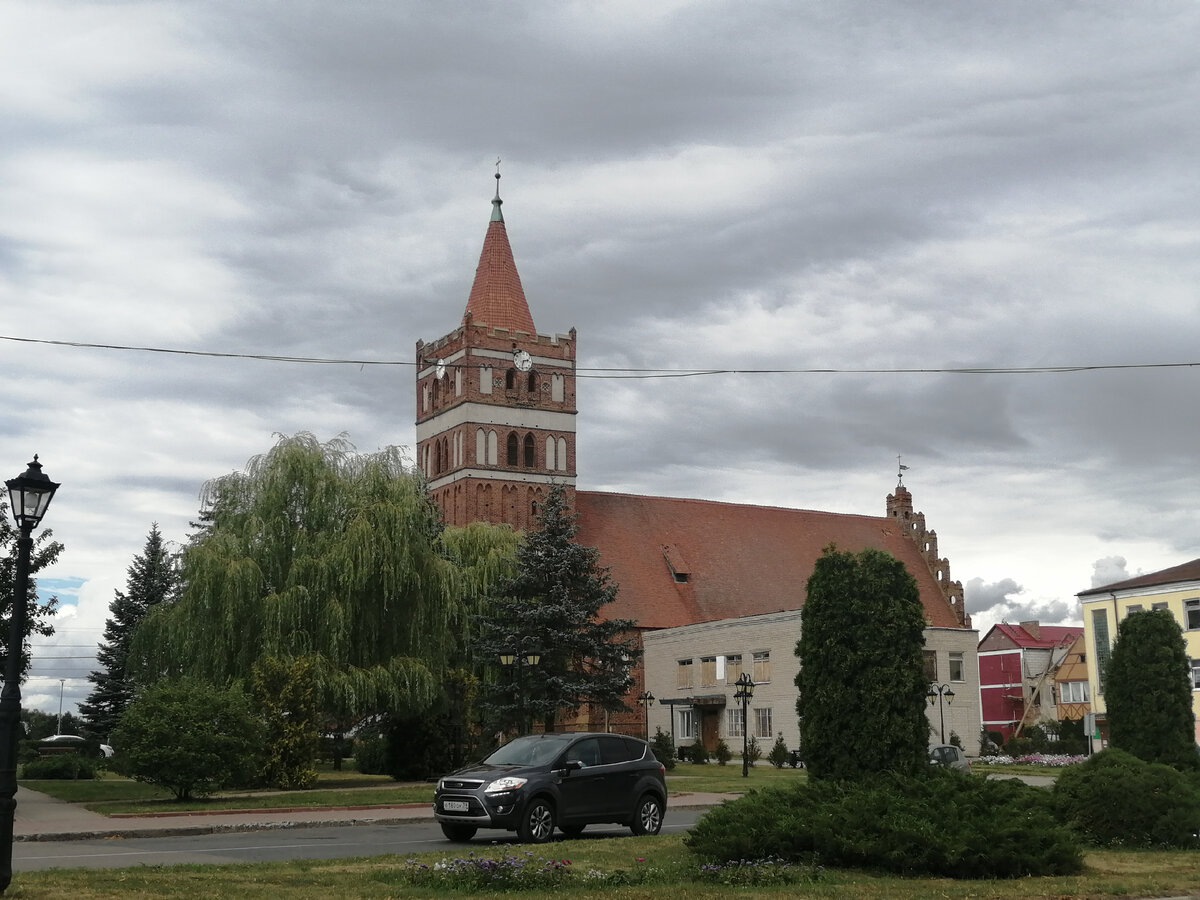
[
  {"x": 530, "y": 452},
  {"x": 532, "y": 383},
  {"x": 513, "y": 449},
  {"x": 510, "y": 380},
  {"x": 562, "y": 453},
  {"x": 551, "y": 462}
]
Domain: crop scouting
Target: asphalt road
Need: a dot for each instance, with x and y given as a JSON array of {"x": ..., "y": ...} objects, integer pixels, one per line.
[{"x": 324, "y": 842}]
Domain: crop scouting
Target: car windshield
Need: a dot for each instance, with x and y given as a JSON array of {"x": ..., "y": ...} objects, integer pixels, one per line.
[{"x": 529, "y": 751}]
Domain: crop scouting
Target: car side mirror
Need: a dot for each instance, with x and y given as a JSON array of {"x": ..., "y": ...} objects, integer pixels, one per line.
[{"x": 571, "y": 765}]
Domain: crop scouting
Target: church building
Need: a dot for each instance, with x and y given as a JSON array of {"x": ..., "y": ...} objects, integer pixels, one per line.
[{"x": 714, "y": 587}]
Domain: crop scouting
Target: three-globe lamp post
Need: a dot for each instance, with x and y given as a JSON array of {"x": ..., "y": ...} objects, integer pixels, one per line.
[
  {"x": 519, "y": 660},
  {"x": 29, "y": 495},
  {"x": 646, "y": 699},
  {"x": 744, "y": 692},
  {"x": 936, "y": 693}
]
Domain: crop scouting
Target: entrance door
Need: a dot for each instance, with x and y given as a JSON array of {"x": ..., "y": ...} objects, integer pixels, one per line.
[{"x": 710, "y": 728}]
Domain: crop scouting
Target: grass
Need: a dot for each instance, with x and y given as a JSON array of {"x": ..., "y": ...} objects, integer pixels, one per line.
[
  {"x": 109, "y": 793},
  {"x": 1109, "y": 874}
]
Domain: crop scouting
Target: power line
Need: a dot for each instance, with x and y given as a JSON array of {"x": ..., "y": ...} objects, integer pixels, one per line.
[{"x": 628, "y": 372}]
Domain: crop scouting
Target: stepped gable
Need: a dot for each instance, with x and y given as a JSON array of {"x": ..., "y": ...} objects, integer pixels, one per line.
[{"x": 741, "y": 559}]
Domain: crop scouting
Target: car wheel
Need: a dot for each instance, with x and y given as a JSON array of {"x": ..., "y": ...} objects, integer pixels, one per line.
[
  {"x": 537, "y": 825},
  {"x": 649, "y": 816},
  {"x": 455, "y": 832},
  {"x": 572, "y": 831}
]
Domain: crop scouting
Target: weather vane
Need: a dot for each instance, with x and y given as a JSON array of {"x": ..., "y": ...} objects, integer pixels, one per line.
[{"x": 902, "y": 469}]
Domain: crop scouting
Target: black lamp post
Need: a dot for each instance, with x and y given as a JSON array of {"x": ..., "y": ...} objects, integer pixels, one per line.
[
  {"x": 647, "y": 700},
  {"x": 745, "y": 690},
  {"x": 29, "y": 496},
  {"x": 519, "y": 661},
  {"x": 937, "y": 692}
]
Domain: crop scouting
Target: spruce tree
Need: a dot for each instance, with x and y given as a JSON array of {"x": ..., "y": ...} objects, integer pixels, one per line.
[
  {"x": 45, "y": 551},
  {"x": 553, "y": 606},
  {"x": 1148, "y": 691},
  {"x": 151, "y": 580},
  {"x": 862, "y": 683}
]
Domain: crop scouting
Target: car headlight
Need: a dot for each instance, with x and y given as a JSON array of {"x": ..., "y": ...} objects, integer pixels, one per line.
[
  {"x": 508, "y": 783},
  {"x": 441, "y": 784}
]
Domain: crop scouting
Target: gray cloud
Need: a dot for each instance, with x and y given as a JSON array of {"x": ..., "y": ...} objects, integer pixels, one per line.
[{"x": 691, "y": 185}]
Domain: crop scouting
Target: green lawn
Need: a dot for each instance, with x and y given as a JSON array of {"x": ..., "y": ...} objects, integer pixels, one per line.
[
  {"x": 1109, "y": 874},
  {"x": 111, "y": 793}
]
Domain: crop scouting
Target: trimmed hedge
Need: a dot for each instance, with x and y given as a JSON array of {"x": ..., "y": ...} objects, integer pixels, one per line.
[
  {"x": 1114, "y": 798},
  {"x": 940, "y": 823},
  {"x": 63, "y": 766}
]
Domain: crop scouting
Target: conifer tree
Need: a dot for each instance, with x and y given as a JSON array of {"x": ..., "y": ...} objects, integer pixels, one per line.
[
  {"x": 151, "y": 579},
  {"x": 38, "y": 614},
  {"x": 553, "y": 606},
  {"x": 1148, "y": 691},
  {"x": 862, "y": 684}
]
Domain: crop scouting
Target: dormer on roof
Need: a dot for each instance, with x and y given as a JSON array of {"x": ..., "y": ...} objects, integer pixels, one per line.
[{"x": 497, "y": 298}]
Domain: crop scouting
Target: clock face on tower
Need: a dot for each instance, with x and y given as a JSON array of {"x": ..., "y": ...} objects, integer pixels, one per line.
[{"x": 522, "y": 360}]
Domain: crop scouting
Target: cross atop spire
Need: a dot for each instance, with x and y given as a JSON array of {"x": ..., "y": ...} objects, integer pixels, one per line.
[{"x": 497, "y": 298}]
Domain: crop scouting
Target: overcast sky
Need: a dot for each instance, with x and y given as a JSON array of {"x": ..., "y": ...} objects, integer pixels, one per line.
[{"x": 692, "y": 185}]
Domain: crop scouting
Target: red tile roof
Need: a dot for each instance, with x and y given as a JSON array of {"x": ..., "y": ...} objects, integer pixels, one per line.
[
  {"x": 1047, "y": 636},
  {"x": 1188, "y": 571},
  {"x": 497, "y": 297},
  {"x": 743, "y": 559}
]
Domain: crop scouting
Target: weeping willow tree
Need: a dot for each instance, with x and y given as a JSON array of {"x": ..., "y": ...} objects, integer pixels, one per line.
[{"x": 317, "y": 552}]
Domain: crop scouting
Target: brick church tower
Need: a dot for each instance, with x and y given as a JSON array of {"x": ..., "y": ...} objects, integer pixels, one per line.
[{"x": 496, "y": 401}]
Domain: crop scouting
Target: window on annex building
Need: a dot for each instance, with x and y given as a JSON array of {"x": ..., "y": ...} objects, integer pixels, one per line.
[
  {"x": 733, "y": 668},
  {"x": 1161, "y": 604},
  {"x": 762, "y": 667},
  {"x": 683, "y": 674},
  {"x": 930, "y": 657},
  {"x": 958, "y": 670},
  {"x": 708, "y": 671},
  {"x": 735, "y": 723},
  {"x": 1132, "y": 608},
  {"x": 1191, "y": 613},
  {"x": 687, "y": 723},
  {"x": 1196, "y": 674},
  {"x": 762, "y": 722},
  {"x": 1100, "y": 637},
  {"x": 1073, "y": 692}
]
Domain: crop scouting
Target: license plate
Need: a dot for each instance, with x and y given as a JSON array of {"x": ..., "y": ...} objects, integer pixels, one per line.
[{"x": 455, "y": 805}]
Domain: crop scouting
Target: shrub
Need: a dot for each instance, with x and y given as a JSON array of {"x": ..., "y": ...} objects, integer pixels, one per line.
[
  {"x": 722, "y": 753},
  {"x": 1018, "y": 746},
  {"x": 67, "y": 766},
  {"x": 699, "y": 754},
  {"x": 956, "y": 740},
  {"x": 370, "y": 753},
  {"x": 189, "y": 737},
  {"x": 778, "y": 756},
  {"x": 940, "y": 822},
  {"x": 1116, "y": 798},
  {"x": 753, "y": 751},
  {"x": 664, "y": 750}
]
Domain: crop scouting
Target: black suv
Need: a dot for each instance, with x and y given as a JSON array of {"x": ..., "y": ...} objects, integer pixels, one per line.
[{"x": 534, "y": 783}]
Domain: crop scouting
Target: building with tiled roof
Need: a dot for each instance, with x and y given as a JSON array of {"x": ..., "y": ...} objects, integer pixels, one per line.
[
  {"x": 496, "y": 429},
  {"x": 1175, "y": 589},
  {"x": 1018, "y": 668}
]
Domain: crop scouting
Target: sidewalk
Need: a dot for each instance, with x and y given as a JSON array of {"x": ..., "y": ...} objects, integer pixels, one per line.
[{"x": 41, "y": 817}]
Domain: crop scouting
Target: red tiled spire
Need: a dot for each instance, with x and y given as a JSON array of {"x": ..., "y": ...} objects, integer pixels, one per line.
[{"x": 497, "y": 297}]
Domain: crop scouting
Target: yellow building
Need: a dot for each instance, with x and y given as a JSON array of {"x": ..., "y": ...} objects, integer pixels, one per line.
[{"x": 1176, "y": 590}]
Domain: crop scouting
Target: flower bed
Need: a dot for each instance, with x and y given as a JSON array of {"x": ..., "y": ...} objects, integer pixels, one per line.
[{"x": 1043, "y": 760}]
